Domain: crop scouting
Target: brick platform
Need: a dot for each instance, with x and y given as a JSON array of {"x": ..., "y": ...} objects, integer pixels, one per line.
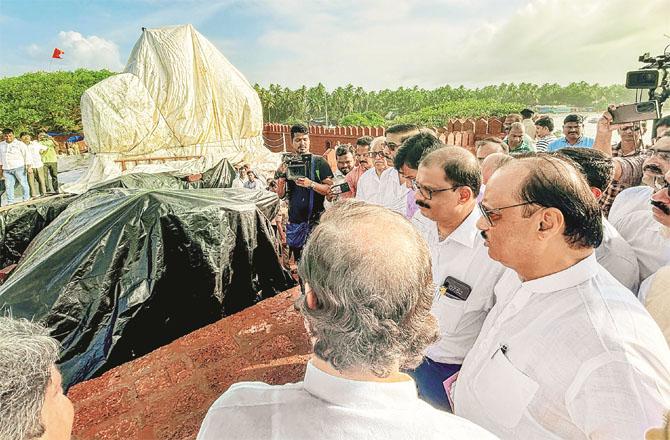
[{"x": 165, "y": 394}]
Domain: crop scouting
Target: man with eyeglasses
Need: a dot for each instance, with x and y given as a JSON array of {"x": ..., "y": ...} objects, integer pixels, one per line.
[
  {"x": 567, "y": 351},
  {"x": 406, "y": 163},
  {"x": 370, "y": 184},
  {"x": 447, "y": 184},
  {"x": 573, "y": 131}
]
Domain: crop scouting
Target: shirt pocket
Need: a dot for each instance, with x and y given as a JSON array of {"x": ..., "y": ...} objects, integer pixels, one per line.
[
  {"x": 448, "y": 312},
  {"x": 503, "y": 391}
]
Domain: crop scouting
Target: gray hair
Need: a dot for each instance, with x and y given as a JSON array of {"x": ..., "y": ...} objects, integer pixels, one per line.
[
  {"x": 373, "y": 303},
  {"x": 27, "y": 355},
  {"x": 518, "y": 125}
]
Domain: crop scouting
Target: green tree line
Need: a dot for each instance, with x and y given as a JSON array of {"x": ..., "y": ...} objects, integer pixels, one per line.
[
  {"x": 284, "y": 105},
  {"x": 50, "y": 100},
  {"x": 46, "y": 100}
]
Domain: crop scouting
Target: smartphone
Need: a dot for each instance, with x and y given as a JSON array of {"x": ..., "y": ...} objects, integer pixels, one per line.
[{"x": 641, "y": 111}]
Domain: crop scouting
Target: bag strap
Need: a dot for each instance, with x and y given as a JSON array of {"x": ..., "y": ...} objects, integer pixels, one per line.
[{"x": 311, "y": 190}]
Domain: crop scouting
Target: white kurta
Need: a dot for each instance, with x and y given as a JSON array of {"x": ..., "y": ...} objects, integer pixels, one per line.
[
  {"x": 326, "y": 407},
  {"x": 570, "y": 355}
]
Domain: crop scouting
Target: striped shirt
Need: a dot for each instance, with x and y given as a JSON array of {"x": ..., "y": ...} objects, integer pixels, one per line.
[
  {"x": 543, "y": 142},
  {"x": 631, "y": 175}
]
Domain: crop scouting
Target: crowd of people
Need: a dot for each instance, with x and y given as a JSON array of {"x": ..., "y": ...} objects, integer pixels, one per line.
[
  {"x": 31, "y": 164},
  {"x": 520, "y": 292}
]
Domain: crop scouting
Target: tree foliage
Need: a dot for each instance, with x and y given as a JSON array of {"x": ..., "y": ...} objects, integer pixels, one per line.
[
  {"x": 281, "y": 104},
  {"x": 46, "y": 100},
  {"x": 365, "y": 119},
  {"x": 50, "y": 100}
]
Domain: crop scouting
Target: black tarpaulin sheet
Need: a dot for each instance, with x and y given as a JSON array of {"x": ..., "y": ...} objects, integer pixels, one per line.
[
  {"x": 219, "y": 176},
  {"x": 19, "y": 224},
  {"x": 123, "y": 271}
]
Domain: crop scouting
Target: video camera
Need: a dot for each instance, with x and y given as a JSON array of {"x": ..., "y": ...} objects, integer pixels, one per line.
[
  {"x": 297, "y": 165},
  {"x": 653, "y": 77}
]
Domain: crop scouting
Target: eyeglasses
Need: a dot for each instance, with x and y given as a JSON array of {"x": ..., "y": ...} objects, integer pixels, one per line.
[
  {"x": 378, "y": 154},
  {"x": 663, "y": 154},
  {"x": 391, "y": 145},
  {"x": 363, "y": 155},
  {"x": 428, "y": 193},
  {"x": 486, "y": 212},
  {"x": 631, "y": 129}
]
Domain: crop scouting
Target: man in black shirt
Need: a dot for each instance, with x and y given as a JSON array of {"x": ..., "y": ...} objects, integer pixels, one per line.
[{"x": 306, "y": 194}]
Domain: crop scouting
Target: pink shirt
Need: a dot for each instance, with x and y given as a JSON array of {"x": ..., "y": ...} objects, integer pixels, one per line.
[{"x": 352, "y": 179}]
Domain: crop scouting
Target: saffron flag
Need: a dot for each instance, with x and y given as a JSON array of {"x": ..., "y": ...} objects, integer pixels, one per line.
[{"x": 57, "y": 53}]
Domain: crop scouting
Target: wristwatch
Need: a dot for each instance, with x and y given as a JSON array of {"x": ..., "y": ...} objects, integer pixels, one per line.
[{"x": 312, "y": 185}]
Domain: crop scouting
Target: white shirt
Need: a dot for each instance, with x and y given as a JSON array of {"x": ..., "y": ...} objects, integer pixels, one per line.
[
  {"x": 327, "y": 407},
  {"x": 35, "y": 148},
  {"x": 643, "y": 234},
  {"x": 581, "y": 359},
  {"x": 384, "y": 190},
  {"x": 629, "y": 200},
  {"x": 462, "y": 255},
  {"x": 618, "y": 257},
  {"x": 14, "y": 155}
]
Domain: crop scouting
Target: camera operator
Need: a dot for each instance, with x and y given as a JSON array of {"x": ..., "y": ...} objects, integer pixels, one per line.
[{"x": 305, "y": 194}]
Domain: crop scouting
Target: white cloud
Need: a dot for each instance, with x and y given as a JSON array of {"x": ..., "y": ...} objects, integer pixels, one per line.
[
  {"x": 34, "y": 50},
  {"x": 89, "y": 52},
  {"x": 377, "y": 44}
]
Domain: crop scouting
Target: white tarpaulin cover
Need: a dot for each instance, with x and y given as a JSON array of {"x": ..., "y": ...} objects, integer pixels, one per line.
[{"x": 178, "y": 96}]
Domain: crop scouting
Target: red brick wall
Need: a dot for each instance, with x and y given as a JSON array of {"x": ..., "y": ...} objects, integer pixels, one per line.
[{"x": 463, "y": 132}]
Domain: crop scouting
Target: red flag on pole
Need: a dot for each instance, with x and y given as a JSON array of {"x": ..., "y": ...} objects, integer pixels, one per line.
[{"x": 57, "y": 53}]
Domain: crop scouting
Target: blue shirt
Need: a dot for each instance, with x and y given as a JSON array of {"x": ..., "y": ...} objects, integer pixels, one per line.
[{"x": 584, "y": 142}]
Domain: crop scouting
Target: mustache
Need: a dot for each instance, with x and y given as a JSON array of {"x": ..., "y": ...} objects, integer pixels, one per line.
[
  {"x": 653, "y": 168},
  {"x": 662, "y": 206},
  {"x": 422, "y": 204}
]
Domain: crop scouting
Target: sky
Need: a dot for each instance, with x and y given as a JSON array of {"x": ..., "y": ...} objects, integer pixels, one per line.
[{"x": 370, "y": 43}]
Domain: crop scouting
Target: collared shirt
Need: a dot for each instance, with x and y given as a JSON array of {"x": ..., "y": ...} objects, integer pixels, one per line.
[
  {"x": 542, "y": 142},
  {"x": 585, "y": 142},
  {"x": 572, "y": 355},
  {"x": 631, "y": 175},
  {"x": 49, "y": 155},
  {"x": 384, "y": 190},
  {"x": 630, "y": 199},
  {"x": 14, "y": 155},
  {"x": 644, "y": 235},
  {"x": 353, "y": 176},
  {"x": 462, "y": 255},
  {"x": 618, "y": 257},
  {"x": 35, "y": 148},
  {"x": 327, "y": 407}
]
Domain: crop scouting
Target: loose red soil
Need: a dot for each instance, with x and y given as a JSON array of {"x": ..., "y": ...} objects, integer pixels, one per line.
[{"x": 166, "y": 394}]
